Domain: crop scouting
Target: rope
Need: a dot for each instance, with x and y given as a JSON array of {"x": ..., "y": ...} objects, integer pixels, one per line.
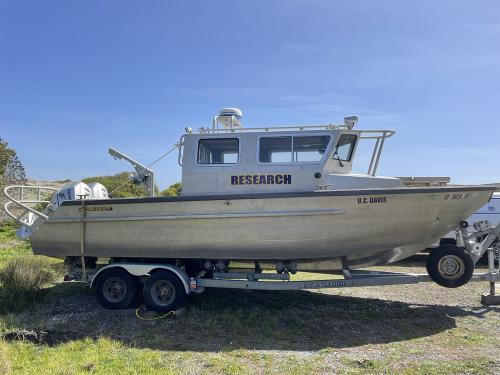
[
  {"x": 165, "y": 154},
  {"x": 143, "y": 307}
]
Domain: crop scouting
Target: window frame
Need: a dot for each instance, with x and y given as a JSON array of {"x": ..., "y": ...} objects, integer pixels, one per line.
[
  {"x": 197, "y": 150},
  {"x": 351, "y": 151},
  {"x": 293, "y": 135}
]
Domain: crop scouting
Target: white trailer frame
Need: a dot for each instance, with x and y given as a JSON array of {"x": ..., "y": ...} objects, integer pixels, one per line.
[{"x": 268, "y": 281}]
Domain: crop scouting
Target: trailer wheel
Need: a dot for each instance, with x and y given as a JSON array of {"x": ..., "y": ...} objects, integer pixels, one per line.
[
  {"x": 115, "y": 289},
  {"x": 450, "y": 266},
  {"x": 447, "y": 241},
  {"x": 163, "y": 291}
]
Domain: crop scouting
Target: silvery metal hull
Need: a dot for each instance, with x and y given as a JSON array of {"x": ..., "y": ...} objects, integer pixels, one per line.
[{"x": 366, "y": 227}]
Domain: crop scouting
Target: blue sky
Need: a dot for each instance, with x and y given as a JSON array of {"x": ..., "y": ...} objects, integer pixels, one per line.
[{"x": 79, "y": 76}]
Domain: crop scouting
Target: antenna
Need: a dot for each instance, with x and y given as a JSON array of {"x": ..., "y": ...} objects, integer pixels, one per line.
[
  {"x": 143, "y": 176},
  {"x": 350, "y": 121},
  {"x": 229, "y": 118}
]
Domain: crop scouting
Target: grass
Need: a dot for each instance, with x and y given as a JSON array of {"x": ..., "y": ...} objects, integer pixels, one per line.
[
  {"x": 22, "y": 281},
  {"x": 10, "y": 245},
  {"x": 23, "y": 276},
  {"x": 64, "y": 331},
  {"x": 366, "y": 366},
  {"x": 106, "y": 356}
]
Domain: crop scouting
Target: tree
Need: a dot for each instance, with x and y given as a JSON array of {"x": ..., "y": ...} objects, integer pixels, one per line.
[
  {"x": 173, "y": 190},
  {"x": 11, "y": 168}
]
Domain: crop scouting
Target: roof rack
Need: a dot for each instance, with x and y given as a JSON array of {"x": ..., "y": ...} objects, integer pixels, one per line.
[
  {"x": 364, "y": 134},
  {"x": 229, "y": 121},
  {"x": 275, "y": 128}
]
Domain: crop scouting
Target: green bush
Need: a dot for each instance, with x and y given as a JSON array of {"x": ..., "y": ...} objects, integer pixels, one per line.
[
  {"x": 8, "y": 230},
  {"x": 22, "y": 281},
  {"x": 173, "y": 190},
  {"x": 127, "y": 189},
  {"x": 41, "y": 206}
]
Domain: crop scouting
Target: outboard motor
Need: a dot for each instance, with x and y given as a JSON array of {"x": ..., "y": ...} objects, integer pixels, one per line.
[
  {"x": 70, "y": 192},
  {"x": 99, "y": 191},
  {"x": 76, "y": 191}
]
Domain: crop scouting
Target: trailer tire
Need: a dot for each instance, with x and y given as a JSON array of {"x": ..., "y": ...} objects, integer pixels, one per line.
[
  {"x": 447, "y": 241},
  {"x": 450, "y": 266},
  {"x": 163, "y": 291},
  {"x": 115, "y": 289}
]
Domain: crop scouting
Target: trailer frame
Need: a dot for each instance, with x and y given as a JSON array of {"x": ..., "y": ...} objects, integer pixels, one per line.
[
  {"x": 249, "y": 280},
  {"x": 257, "y": 280}
]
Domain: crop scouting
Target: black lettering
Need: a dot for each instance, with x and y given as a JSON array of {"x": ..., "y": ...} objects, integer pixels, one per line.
[
  {"x": 234, "y": 180},
  {"x": 255, "y": 179},
  {"x": 270, "y": 179},
  {"x": 241, "y": 180},
  {"x": 287, "y": 179},
  {"x": 279, "y": 179},
  {"x": 262, "y": 179},
  {"x": 248, "y": 180}
]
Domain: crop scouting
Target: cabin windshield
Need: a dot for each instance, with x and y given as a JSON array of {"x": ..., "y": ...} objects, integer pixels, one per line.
[{"x": 345, "y": 147}]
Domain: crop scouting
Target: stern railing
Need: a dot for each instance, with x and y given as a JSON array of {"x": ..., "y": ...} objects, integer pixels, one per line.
[{"x": 21, "y": 197}]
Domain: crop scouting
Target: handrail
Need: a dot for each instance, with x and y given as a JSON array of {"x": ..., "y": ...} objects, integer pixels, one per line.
[
  {"x": 271, "y": 128},
  {"x": 291, "y": 127},
  {"x": 364, "y": 134},
  {"x": 23, "y": 203},
  {"x": 381, "y": 134}
]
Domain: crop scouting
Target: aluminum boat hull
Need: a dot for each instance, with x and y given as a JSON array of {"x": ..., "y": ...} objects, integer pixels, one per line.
[{"x": 365, "y": 227}]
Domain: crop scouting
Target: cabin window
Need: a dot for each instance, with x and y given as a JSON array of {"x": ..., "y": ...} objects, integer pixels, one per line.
[
  {"x": 292, "y": 149},
  {"x": 345, "y": 147},
  {"x": 275, "y": 150},
  {"x": 309, "y": 148},
  {"x": 218, "y": 151}
]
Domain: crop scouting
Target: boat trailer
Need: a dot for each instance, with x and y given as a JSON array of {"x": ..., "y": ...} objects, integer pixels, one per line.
[{"x": 257, "y": 280}]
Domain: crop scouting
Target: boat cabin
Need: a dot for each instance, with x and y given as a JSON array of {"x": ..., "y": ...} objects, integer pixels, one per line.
[{"x": 230, "y": 159}]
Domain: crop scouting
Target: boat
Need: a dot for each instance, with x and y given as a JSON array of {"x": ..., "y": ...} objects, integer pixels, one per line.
[
  {"x": 489, "y": 213},
  {"x": 283, "y": 196}
]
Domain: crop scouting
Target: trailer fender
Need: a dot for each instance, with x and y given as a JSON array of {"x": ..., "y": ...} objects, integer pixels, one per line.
[{"x": 145, "y": 270}]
